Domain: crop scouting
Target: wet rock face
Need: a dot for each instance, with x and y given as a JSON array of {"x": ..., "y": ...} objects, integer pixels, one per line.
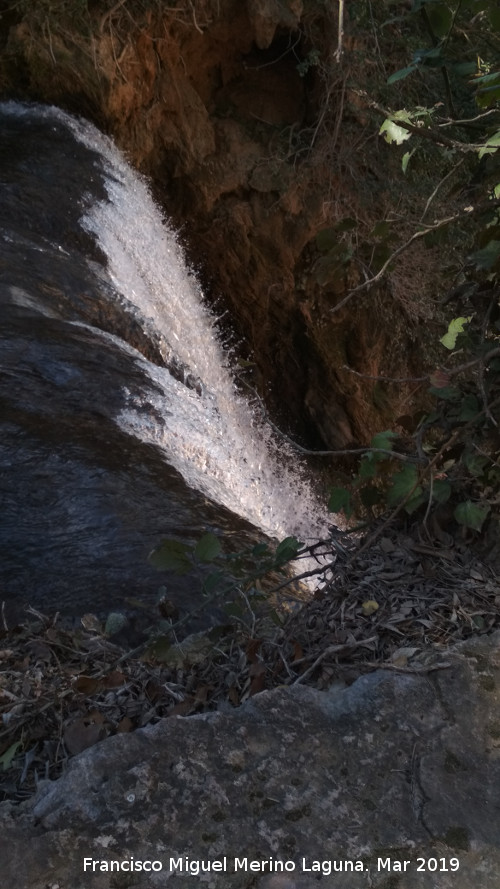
[
  {"x": 83, "y": 500},
  {"x": 209, "y": 100},
  {"x": 395, "y": 776}
]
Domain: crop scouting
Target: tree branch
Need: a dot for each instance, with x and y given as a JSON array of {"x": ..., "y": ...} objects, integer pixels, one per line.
[
  {"x": 366, "y": 285},
  {"x": 424, "y": 132}
]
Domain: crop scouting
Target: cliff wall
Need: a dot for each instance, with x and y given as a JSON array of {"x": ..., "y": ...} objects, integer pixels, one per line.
[{"x": 257, "y": 140}]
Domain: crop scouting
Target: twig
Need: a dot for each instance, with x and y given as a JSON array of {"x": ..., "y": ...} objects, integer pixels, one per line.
[
  {"x": 424, "y": 132},
  {"x": 417, "y": 669},
  {"x": 50, "y": 42},
  {"x": 321, "y": 569},
  {"x": 438, "y": 186},
  {"x": 340, "y": 115},
  {"x": 456, "y": 123},
  {"x": 346, "y": 452},
  {"x": 429, "y": 504},
  {"x": 468, "y": 364},
  {"x": 366, "y": 285},
  {"x": 107, "y": 15},
  {"x": 28, "y": 716},
  {"x": 332, "y": 649},
  {"x": 321, "y": 117},
  {"x": 275, "y": 61},
  {"x": 375, "y": 38},
  {"x": 195, "y": 23},
  {"x": 385, "y": 379}
]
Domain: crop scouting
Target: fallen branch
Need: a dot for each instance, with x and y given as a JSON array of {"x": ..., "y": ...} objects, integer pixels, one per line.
[{"x": 332, "y": 649}]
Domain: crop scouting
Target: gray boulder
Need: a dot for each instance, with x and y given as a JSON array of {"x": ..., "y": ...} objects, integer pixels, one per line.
[{"x": 390, "y": 783}]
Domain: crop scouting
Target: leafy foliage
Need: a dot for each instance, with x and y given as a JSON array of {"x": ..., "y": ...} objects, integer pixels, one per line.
[
  {"x": 449, "y": 453},
  {"x": 236, "y": 579},
  {"x": 454, "y": 449}
]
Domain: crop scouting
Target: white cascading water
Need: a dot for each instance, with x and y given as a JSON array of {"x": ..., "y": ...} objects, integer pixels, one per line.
[{"x": 212, "y": 439}]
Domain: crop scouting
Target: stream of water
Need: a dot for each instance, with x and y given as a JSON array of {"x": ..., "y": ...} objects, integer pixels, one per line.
[{"x": 113, "y": 340}]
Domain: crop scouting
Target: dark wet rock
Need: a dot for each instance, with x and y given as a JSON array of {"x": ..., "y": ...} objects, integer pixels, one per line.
[
  {"x": 394, "y": 768},
  {"x": 83, "y": 501}
]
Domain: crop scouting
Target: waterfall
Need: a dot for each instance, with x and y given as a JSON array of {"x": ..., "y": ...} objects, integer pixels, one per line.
[
  {"x": 120, "y": 421},
  {"x": 212, "y": 437}
]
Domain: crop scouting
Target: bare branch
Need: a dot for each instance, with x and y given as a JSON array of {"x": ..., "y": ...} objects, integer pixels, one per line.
[
  {"x": 346, "y": 452},
  {"x": 456, "y": 123},
  {"x": 385, "y": 379},
  {"x": 483, "y": 359},
  {"x": 333, "y": 649},
  {"x": 366, "y": 285},
  {"x": 424, "y": 132},
  {"x": 340, "y": 38},
  {"x": 438, "y": 186}
]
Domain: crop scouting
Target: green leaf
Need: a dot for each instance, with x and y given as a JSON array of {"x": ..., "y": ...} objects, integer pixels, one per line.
[
  {"x": 115, "y": 622},
  {"x": 401, "y": 74},
  {"x": 440, "y": 18},
  {"x": 208, "y": 548},
  {"x": 492, "y": 145},
  {"x": 287, "y": 550},
  {"x": 476, "y": 464},
  {"x": 260, "y": 549},
  {"x": 326, "y": 239},
  {"x": 402, "y": 483},
  {"x": 454, "y": 328},
  {"x": 382, "y": 229},
  {"x": 415, "y": 500},
  {"x": 328, "y": 267},
  {"x": 392, "y": 133},
  {"x": 7, "y": 757},
  {"x": 469, "y": 408},
  {"x": 441, "y": 491},
  {"x": 470, "y": 515},
  {"x": 367, "y": 466},
  {"x": 431, "y": 58},
  {"x": 464, "y": 69},
  {"x": 487, "y": 96},
  {"x": 492, "y": 78},
  {"x": 172, "y": 555},
  {"x": 213, "y": 581},
  {"x": 447, "y": 393},
  {"x": 347, "y": 224},
  {"x": 487, "y": 257},
  {"x": 340, "y": 501},
  {"x": 406, "y": 159},
  {"x": 383, "y": 440}
]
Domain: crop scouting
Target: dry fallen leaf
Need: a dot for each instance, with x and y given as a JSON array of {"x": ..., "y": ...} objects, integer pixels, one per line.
[
  {"x": 81, "y": 734},
  {"x": 86, "y": 685}
]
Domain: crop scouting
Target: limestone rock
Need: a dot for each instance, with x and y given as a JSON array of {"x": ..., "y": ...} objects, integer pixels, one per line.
[{"x": 395, "y": 768}]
